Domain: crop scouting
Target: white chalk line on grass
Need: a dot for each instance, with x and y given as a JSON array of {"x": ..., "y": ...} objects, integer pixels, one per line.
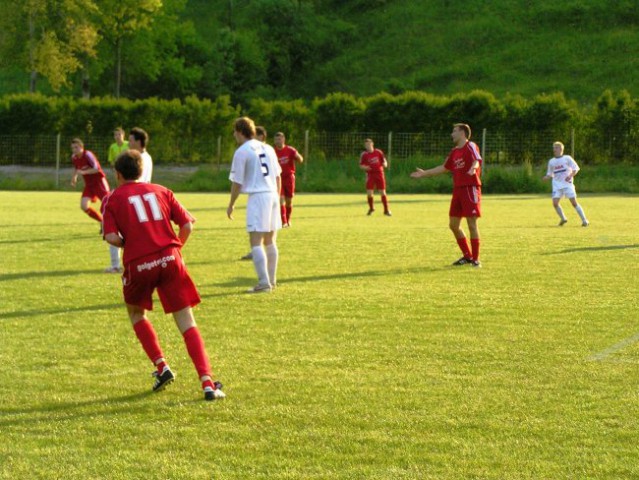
[{"x": 598, "y": 357}]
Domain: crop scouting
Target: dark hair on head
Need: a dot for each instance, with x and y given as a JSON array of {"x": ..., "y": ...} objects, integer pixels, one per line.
[
  {"x": 279, "y": 134},
  {"x": 465, "y": 128},
  {"x": 119, "y": 129},
  {"x": 260, "y": 131},
  {"x": 77, "y": 141},
  {"x": 140, "y": 135},
  {"x": 245, "y": 126},
  {"x": 129, "y": 164}
]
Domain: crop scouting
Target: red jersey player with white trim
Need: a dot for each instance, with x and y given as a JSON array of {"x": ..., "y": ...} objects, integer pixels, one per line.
[
  {"x": 288, "y": 157},
  {"x": 373, "y": 162},
  {"x": 464, "y": 162},
  {"x": 137, "y": 217},
  {"x": 96, "y": 187}
]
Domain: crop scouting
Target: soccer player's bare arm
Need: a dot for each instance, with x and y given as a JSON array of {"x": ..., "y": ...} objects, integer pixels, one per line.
[
  {"x": 236, "y": 189},
  {"x": 185, "y": 232},
  {"x": 114, "y": 239},
  {"x": 431, "y": 172},
  {"x": 299, "y": 158}
]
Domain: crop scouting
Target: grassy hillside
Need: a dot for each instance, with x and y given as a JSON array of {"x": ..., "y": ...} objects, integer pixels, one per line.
[{"x": 503, "y": 46}]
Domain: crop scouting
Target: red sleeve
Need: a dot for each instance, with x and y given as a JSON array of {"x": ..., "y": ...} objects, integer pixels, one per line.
[
  {"x": 474, "y": 151},
  {"x": 92, "y": 160},
  {"x": 448, "y": 164},
  {"x": 108, "y": 219}
]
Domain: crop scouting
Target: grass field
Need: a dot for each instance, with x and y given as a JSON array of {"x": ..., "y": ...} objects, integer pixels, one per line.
[{"x": 373, "y": 359}]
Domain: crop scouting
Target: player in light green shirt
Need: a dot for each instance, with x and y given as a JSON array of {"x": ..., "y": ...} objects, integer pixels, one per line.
[{"x": 119, "y": 146}]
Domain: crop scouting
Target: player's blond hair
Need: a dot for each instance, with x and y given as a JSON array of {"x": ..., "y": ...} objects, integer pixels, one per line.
[
  {"x": 559, "y": 144},
  {"x": 245, "y": 126},
  {"x": 464, "y": 127}
]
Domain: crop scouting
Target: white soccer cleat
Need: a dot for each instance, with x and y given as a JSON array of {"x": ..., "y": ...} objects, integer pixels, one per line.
[{"x": 260, "y": 289}]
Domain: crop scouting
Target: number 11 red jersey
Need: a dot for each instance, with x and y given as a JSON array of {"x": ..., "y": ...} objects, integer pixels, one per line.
[{"x": 142, "y": 214}]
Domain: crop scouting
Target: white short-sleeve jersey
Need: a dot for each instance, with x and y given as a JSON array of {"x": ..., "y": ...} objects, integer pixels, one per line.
[
  {"x": 147, "y": 167},
  {"x": 559, "y": 168},
  {"x": 255, "y": 167}
]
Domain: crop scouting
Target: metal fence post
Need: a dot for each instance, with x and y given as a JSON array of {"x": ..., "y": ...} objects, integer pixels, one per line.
[
  {"x": 390, "y": 149},
  {"x": 219, "y": 152},
  {"x": 483, "y": 148},
  {"x": 572, "y": 143},
  {"x": 57, "y": 161},
  {"x": 306, "y": 136}
]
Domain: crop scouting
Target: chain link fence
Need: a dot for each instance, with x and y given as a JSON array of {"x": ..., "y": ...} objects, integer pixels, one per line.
[{"x": 498, "y": 148}]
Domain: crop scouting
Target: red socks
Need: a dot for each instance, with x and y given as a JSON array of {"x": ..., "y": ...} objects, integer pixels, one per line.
[
  {"x": 149, "y": 340},
  {"x": 289, "y": 210},
  {"x": 474, "y": 243},
  {"x": 385, "y": 203},
  {"x": 370, "y": 202},
  {"x": 93, "y": 214},
  {"x": 463, "y": 246},
  {"x": 195, "y": 347},
  {"x": 283, "y": 214}
]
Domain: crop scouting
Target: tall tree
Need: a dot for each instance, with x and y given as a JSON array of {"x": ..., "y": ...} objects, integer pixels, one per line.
[
  {"x": 121, "y": 19},
  {"x": 48, "y": 37}
]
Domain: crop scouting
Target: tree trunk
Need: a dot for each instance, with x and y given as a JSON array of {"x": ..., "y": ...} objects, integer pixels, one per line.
[
  {"x": 118, "y": 66},
  {"x": 86, "y": 84},
  {"x": 34, "y": 75}
]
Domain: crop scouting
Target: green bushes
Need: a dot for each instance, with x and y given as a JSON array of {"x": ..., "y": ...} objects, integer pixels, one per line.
[{"x": 187, "y": 131}]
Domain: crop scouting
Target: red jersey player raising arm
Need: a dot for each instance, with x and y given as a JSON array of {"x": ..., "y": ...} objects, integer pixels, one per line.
[
  {"x": 373, "y": 162},
  {"x": 96, "y": 187},
  {"x": 464, "y": 161},
  {"x": 137, "y": 217},
  {"x": 287, "y": 156}
]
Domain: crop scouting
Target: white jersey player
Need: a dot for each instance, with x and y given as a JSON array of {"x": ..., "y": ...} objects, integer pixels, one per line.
[
  {"x": 256, "y": 171},
  {"x": 562, "y": 169},
  {"x": 147, "y": 167}
]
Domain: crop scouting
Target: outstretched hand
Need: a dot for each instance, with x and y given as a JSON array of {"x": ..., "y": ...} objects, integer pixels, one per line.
[{"x": 418, "y": 173}]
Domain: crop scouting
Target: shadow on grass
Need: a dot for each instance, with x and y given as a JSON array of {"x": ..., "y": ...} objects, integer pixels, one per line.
[
  {"x": 7, "y": 277},
  {"x": 50, "y": 411},
  {"x": 594, "y": 249},
  {"x": 249, "y": 281},
  {"x": 54, "y": 311},
  {"x": 75, "y": 238}
]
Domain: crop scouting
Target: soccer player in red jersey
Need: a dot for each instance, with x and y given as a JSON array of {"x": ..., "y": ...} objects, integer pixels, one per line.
[
  {"x": 287, "y": 157},
  {"x": 96, "y": 187},
  {"x": 137, "y": 217},
  {"x": 464, "y": 161},
  {"x": 373, "y": 162}
]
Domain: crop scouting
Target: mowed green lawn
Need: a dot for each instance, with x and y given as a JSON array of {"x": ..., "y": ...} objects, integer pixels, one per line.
[{"x": 373, "y": 359}]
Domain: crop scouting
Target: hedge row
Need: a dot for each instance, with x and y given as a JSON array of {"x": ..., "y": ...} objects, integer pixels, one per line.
[{"x": 187, "y": 130}]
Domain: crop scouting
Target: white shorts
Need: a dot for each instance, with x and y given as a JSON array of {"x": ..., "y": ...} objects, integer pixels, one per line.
[
  {"x": 568, "y": 192},
  {"x": 263, "y": 212}
]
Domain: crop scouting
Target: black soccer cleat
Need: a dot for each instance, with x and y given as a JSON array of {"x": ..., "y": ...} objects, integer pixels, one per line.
[
  {"x": 370, "y": 211},
  {"x": 475, "y": 263},
  {"x": 216, "y": 393},
  {"x": 162, "y": 379},
  {"x": 462, "y": 261}
]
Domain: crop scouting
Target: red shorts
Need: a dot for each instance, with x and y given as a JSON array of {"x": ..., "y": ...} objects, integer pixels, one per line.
[
  {"x": 288, "y": 186},
  {"x": 376, "y": 180},
  {"x": 97, "y": 191},
  {"x": 466, "y": 202},
  {"x": 165, "y": 271}
]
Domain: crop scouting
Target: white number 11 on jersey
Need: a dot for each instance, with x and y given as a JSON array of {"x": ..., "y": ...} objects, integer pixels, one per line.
[{"x": 140, "y": 211}]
